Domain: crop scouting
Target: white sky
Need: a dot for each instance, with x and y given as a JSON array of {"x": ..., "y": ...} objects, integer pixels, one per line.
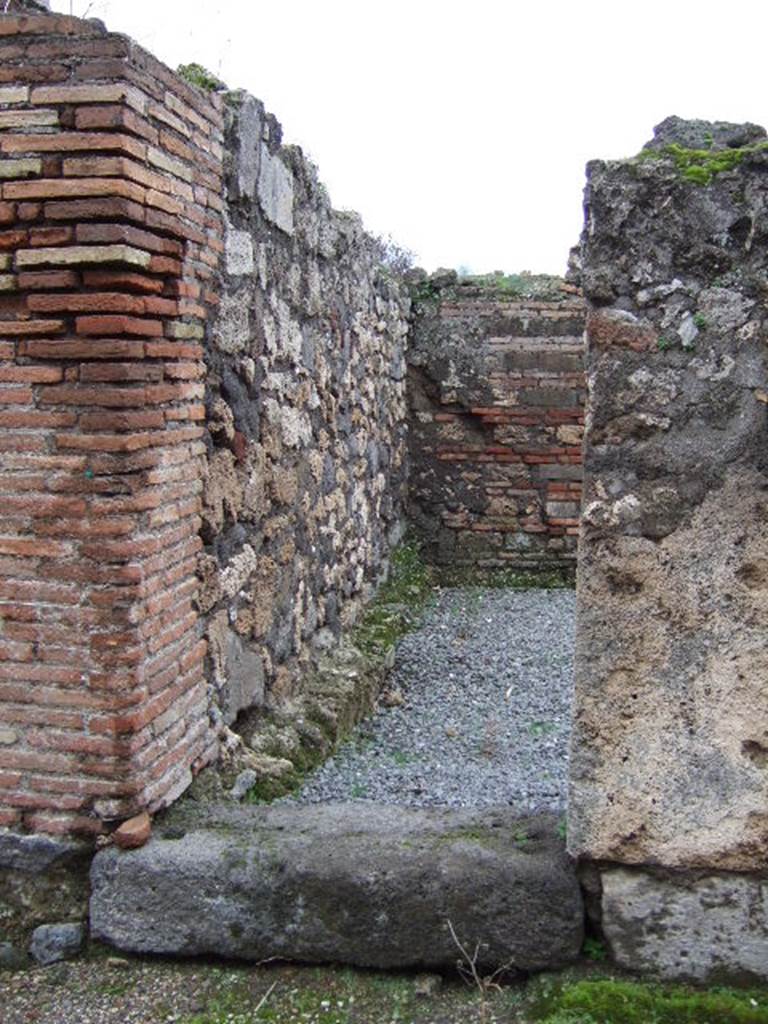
[{"x": 462, "y": 128}]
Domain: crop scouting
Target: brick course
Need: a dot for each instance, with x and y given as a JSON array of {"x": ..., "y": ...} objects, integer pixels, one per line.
[{"x": 110, "y": 181}]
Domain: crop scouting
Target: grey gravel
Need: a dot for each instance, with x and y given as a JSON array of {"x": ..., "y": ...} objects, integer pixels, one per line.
[{"x": 486, "y": 683}]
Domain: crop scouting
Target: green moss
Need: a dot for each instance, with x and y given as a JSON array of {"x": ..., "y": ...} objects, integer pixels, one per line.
[
  {"x": 614, "y": 1001},
  {"x": 397, "y": 606},
  {"x": 264, "y": 791},
  {"x": 700, "y": 166}
]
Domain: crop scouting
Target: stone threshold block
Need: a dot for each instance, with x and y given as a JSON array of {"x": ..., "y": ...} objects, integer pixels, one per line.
[
  {"x": 688, "y": 927},
  {"x": 362, "y": 884}
]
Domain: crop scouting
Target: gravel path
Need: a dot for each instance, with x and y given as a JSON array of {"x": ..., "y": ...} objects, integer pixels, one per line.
[{"x": 485, "y": 716}]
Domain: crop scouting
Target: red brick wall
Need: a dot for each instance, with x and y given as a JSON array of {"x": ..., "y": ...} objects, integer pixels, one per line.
[
  {"x": 110, "y": 233},
  {"x": 496, "y": 393}
]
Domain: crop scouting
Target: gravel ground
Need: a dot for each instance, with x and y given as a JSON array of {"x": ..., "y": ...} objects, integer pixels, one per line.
[{"x": 486, "y": 686}]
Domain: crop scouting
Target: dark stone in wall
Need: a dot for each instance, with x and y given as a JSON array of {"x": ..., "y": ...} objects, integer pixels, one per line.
[{"x": 369, "y": 885}]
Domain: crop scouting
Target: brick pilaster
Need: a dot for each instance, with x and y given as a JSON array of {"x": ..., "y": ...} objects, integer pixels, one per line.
[{"x": 110, "y": 234}]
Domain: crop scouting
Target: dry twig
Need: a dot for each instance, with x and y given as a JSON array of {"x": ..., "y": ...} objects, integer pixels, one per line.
[{"x": 469, "y": 970}]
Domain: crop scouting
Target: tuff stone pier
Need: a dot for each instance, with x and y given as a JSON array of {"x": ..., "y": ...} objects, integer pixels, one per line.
[{"x": 669, "y": 791}]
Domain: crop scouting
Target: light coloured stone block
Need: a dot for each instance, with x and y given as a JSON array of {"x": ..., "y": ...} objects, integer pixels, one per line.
[
  {"x": 700, "y": 929},
  {"x": 28, "y": 118},
  {"x": 275, "y": 191},
  {"x": 239, "y": 252},
  {"x": 76, "y": 254},
  {"x": 14, "y": 94},
  {"x": 232, "y": 330},
  {"x": 20, "y": 168}
]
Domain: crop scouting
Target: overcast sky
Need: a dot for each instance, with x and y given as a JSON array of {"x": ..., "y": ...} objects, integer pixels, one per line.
[{"x": 462, "y": 129}]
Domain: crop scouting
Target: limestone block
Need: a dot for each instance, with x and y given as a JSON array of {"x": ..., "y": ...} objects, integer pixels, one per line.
[
  {"x": 238, "y": 252},
  {"x": 74, "y": 255},
  {"x": 706, "y": 929},
  {"x": 250, "y": 120},
  {"x": 232, "y": 327},
  {"x": 275, "y": 191},
  {"x": 223, "y": 491},
  {"x": 238, "y": 669}
]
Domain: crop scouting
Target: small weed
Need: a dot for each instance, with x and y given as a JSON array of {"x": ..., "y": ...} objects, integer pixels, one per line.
[
  {"x": 197, "y": 75},
  {"x": 490, "y": 744},
  {"x": 401, "y": 758},
  {"x": 393, "y": 256},
  {"x": 594, "y": 949},
  {"x": 469, "y": 968},
  {"x": 521, "y": 837},
  {"x": 358, "y": 790},
  {"x": 115, "y": 989},
  {"x": 562, "y": 829},
  {"x": 700, "y": 320},
  {"x": 425, "y": 292},
  {"x": 362, "y": 742},
  {"x": 664, "y": 343}
]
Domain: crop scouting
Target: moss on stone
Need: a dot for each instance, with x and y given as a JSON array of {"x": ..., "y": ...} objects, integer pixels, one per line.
[
  {"x": 398, "y": 604},
  {"x": 700, "y": 166},
  {"x": 619, "y": 1001}
]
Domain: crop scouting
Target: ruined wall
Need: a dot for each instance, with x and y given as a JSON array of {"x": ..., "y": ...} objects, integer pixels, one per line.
[
  {"x": 145, "y": 476},
  {"x": 496, "y": 392},
  {"x": 670, "y": 740},
  {"x": 110, "y": 237},
  {"x": 305, "y": 470}
]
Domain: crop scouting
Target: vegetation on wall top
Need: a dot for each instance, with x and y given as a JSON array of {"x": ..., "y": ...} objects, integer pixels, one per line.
[
  {"x": 197, "y": 75},
  {"x": 700, "y": 166},
  {"x": 524, "y": 285}
]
